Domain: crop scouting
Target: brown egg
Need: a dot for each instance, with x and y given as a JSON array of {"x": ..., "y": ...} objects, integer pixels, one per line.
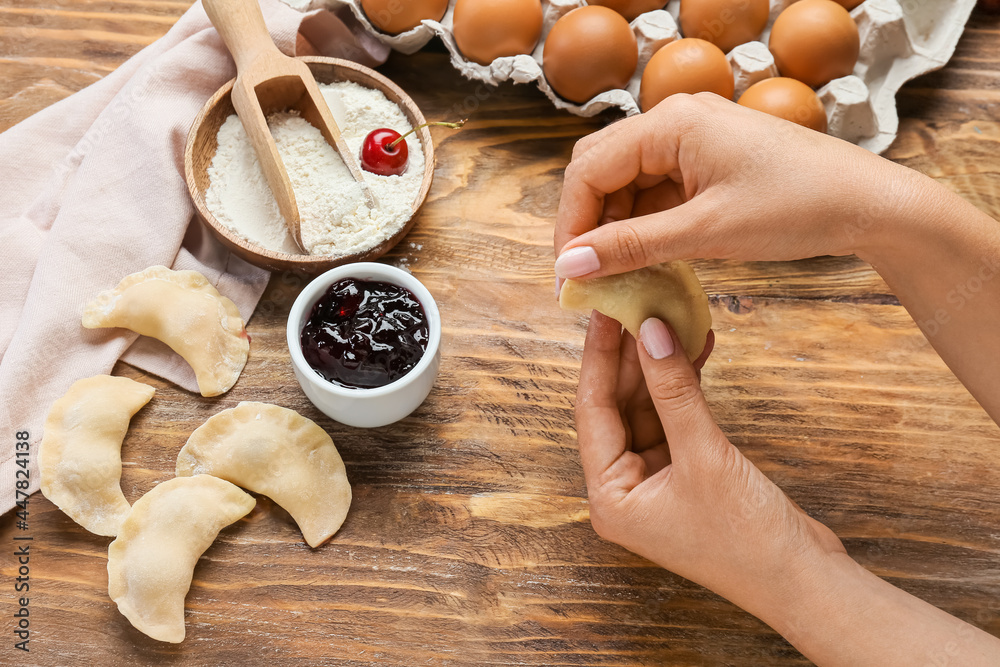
[
  {"x": 789, "y": 99},
  {"x": 588, "y": 51},
  {"x": 685, "y": 66},
  {"x": 396, "y": 16},
  {"x": 630, "y": 9},
  {"x": 489, "y": 29},
  {"x": 849, "y": 4},
  {"x": 815, "y": 41},
  {"x": 725, "y": 23}
]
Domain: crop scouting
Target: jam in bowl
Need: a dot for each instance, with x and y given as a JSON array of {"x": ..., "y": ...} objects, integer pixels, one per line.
[{"x": 365, "y": 343}]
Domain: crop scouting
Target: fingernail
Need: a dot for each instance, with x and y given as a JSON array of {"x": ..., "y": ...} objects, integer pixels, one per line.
[
  {"x": 559, "y": 283},
  {"x": 656, "y": 338},
  {"x": 577, "y": 262}
]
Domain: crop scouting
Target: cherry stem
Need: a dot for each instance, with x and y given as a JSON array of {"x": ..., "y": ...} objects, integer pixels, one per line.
[{"x": 453, "y": 126}]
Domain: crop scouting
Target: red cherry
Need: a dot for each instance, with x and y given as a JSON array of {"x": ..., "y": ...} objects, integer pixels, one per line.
[
  {"x": 379, "y": 157},
  {"x": 384, "y": 151}
]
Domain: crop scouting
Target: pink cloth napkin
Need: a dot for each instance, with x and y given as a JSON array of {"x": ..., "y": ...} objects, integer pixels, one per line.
[{"x": 93, "y": 190}]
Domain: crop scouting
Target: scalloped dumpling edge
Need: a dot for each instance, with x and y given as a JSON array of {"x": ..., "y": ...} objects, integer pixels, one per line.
[{"x": 185, "y": 311}]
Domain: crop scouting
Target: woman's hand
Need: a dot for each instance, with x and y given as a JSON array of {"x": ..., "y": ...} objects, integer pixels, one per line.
[
  {"x": 665, "y": 482},
  {"x": 701, "y": 177}
]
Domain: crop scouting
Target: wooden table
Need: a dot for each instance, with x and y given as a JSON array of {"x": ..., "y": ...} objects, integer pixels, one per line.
[{"x": 468, "y": 542}]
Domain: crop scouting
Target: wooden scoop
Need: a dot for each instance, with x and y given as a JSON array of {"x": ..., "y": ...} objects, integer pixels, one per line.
[{"x": 268, "y": 81}]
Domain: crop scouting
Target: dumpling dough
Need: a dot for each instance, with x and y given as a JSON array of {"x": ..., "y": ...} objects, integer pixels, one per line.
[
  {"x": 669, "y": 291},
  {"x": 151, "y": 564},
  {"x": 80, "y": 459},
  {"x": 278, "y": 453},
  {"x": 184, "y": 310}
]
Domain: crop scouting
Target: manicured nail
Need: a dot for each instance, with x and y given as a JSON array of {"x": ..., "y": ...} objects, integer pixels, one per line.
[
  {"x": 559, "y": 283},
  {"x": 656, "y": 338},
  {"x": 577, "y": 262}
]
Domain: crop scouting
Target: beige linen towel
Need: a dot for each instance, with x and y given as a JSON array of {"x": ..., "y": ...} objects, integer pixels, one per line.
[{"x": 91, "y": 190}]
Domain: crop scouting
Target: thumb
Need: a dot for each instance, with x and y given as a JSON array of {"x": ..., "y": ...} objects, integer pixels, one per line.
[
  {"x": 675, "y": 389},
  {"x": 626, "y": 245}
]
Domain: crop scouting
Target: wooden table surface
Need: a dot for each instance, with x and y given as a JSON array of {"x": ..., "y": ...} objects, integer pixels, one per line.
[{"x": 468, "y": 542}]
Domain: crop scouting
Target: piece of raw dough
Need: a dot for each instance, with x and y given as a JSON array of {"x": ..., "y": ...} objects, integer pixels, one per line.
[
  {"x": 80, "y": 459},
  {"x": 184, "y": 310},
  {"x": 669, "y": 291},
  {"x": 151, "y": 564},
  {"x": 278, "y": 453}
]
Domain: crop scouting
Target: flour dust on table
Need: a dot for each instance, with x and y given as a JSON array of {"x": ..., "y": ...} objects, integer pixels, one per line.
[{"x": 334, "y": 218}]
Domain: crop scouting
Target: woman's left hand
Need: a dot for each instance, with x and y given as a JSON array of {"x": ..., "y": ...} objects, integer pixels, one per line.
[{"x": 666, "y": 483}]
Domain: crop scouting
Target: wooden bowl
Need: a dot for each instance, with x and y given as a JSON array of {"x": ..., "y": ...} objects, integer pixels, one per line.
[{"x": 202, "y": 144}]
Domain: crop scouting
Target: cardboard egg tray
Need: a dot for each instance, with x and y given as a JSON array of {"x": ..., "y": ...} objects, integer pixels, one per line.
[{"x": 900, "y": 40}]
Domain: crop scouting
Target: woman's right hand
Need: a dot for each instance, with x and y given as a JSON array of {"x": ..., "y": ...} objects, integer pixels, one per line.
[{"x": 701, "y": 177}]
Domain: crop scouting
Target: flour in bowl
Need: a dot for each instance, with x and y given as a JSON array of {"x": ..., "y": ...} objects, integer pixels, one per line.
[{"x": 334, "y": 218}]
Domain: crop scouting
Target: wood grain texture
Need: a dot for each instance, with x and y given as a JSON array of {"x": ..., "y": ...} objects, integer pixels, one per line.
[{"x": 468, "y": 542}]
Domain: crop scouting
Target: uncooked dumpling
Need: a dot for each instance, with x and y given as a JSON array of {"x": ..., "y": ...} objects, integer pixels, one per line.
[
  {"x": 278, "y": 453},
  {"x": 669, "y": 291},
  {"x": 151, "y": 563},
  {"x": 184, "y": 310},
  {"x": 80, "y": 459}
]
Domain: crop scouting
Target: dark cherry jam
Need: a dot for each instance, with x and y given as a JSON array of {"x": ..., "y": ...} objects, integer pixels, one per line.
[{"x": 364, "y": 333}]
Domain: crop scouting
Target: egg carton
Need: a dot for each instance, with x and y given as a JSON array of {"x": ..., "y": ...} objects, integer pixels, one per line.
[{"x": 900, "y": 40}]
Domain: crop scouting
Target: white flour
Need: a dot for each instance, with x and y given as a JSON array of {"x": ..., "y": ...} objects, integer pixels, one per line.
[{"x": 333, "y": 216}]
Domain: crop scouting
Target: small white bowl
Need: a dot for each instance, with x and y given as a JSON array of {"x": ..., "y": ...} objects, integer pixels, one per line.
[{"x": 366, "y": 408}]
